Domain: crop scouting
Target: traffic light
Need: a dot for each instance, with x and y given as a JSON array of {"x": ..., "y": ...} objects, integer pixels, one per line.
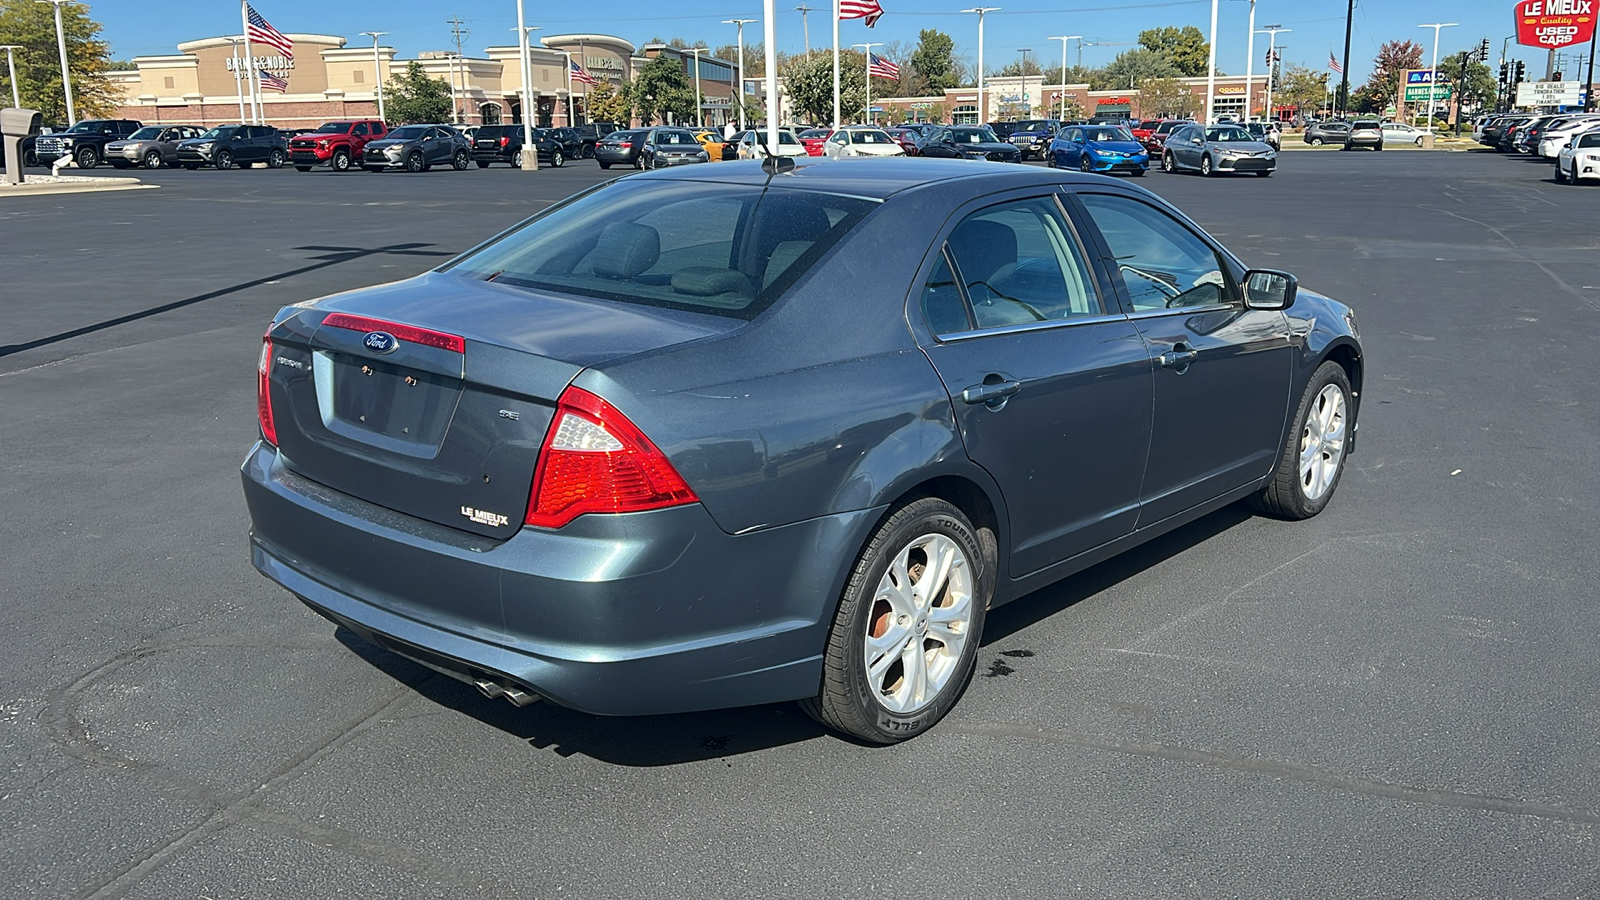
[
  {"x": 1505, "y": 69},
  {"x": 1483, "y": 50},
  {"x": 1521, "y": 74}
]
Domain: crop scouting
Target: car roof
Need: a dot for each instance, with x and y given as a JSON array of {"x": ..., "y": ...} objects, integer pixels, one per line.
[{"x": 877, "y": 179}]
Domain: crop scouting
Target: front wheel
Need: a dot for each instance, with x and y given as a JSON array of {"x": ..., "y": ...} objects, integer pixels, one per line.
[
  {"x": 1139, "y": 172},
  {"x": 152, "y": 160},
  {"x": 1312, "y": 460},
  {"x": 340, "y": 161},
  {"x": 1050, "y": 160},
  {"x": 1167, "y": 165},
  {"x": 1205, "y": 165},
  {"x": 1265, "y": 174},
  {"x": 224, "y": 159},
  {"x": 414, "y": 162},
  {"x": 302, "y": 168},
  {"x": 905, "y": 637},
  {"x": 1315, "y": 142},
  {"x": 605, "y": 165},
  {"x": 557, "y": 160},
  {"x": 87, "y": 158},
  {"x": 1084, "y": 165},
  {"x": 483, "y": 164}
]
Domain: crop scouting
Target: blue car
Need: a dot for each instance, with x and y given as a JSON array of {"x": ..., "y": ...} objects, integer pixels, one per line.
[{"x": 1098, "y": 148}]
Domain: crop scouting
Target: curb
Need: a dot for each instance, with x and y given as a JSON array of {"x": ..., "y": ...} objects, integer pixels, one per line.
[{"x": 39, "y": 189}]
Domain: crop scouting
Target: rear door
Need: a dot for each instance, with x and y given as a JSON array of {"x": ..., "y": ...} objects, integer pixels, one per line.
[
  {"x": 1221, "y": 371},
  {"x": 1050, "y": 381}
]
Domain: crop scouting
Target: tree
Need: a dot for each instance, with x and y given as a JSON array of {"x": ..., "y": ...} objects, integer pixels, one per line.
[
  {"x": 755, "y": 58},
  {"x": 1388, "y": 68},
  {"x": 414, "y": 97},
  {"x": 607, "y": 104},
  {"x": 1302, "y": 88},
  {"x": 810, "y": 84},
  {"x": 1185, "y": 48},
  {"x": 935, "y": 60},
  {"x": 1018, "y": 67},
  {"x": 661, "y": 87},
  {"x": 1481, "y": 85},
  {"x": 32, "y": 26},
  {"x": 1167, "y": 97},
  {"x": 1132, "y": 67}
]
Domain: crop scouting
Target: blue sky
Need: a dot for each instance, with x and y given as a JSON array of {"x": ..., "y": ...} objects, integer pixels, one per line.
[{"x": 417, "y": 25}]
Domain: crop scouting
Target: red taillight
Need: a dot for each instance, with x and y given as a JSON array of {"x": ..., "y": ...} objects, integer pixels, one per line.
[
  {"x": 504, "y": 140},
  {"x": 424, "y": 336},
  {"x": 596, "y": 461},
  {"x": 625, "y": 144},
  {"x": 269, "y": 431}
]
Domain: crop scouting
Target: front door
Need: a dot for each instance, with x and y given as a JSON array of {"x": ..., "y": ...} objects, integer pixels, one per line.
[
  {"x": 1051, "y": 384},
  {"x": 1222, "y": 371}
]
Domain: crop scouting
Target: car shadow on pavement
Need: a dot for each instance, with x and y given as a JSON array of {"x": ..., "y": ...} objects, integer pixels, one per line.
[
  {"x": 331, "y": 256},
  {"x": 649, "y": 741}
]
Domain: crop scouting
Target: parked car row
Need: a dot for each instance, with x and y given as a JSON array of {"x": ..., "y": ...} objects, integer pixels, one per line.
[{"x": 1570, "y": 140}]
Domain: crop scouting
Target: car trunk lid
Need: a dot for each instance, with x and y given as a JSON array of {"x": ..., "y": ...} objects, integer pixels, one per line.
[{"x": 432, "y": 397}]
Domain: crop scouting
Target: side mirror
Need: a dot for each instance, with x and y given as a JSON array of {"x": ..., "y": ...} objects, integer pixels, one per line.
[{"x": 1269, "y": 289}]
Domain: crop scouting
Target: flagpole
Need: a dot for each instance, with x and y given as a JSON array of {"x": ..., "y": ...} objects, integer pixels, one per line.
[
  {"x": 569, "y": 88},
  {"x": 836, "y": 12},
  {"x": 249, "y": 59},
  {"x": 868, "y": 49},
  {"x": 238, "y": 77}
]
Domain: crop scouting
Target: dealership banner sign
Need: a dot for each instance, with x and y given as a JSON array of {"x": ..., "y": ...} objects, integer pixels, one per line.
[{"x": 1555, "y": 23}]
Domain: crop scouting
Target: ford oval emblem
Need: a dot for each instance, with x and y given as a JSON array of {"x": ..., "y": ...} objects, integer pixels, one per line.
[{"x": 380, "y": 342}]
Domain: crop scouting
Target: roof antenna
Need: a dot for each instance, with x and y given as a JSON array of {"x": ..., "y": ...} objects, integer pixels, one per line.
[{"x": 773, "y": 164}]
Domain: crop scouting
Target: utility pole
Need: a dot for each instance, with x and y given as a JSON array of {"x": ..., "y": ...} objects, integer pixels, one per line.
[
  {"x": 738, "y": 96},
  {"x": 805, "y": 24},
  {"x": 1027, "y": 106},
  {"x": 461, "y": 35},
  {"x": 1343, "y": 99},
  {"x": 61, "y": 44},
  {"x": 699, "y": 98},
  {"x": 11, "y": 65},
  {"x": 377, "y": 68}
]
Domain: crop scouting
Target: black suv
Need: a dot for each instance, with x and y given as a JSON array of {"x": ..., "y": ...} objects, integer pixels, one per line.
[
  {"x": 226, "y": 146},
  {"x": 503, "y": 143},
  {"x": 593, "y": 133},
  {"x": 85, "y": 142}
]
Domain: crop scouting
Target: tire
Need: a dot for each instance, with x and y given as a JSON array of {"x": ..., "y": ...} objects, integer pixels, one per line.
[
  {"x": 30, "y": 159},
  {"x": 588, "y": 152},
  {"x": 1301, "y": 489},
  {"x": 224, "y": 160},
  {"x": 116, "y": 164},
  {"x": 867, "y": 691},
  {"x": 340, "y": 161},
  {"x": 1266, "y": 174},
  {"x": 1084, "y": 164},
  {"x": 1561, "y": 177},
  {"x": 516, "y": 159},
  {"x": 191, "y": 166},
  {"x": 414, "y": 163},
  {"x": 1315, "y": 142},
  {"x": 460, "y": 161},
  {"x": 1139, "y": 173},
  {"x": 373, "y": 168},
  {"x": 247, "y": 165},
  {"x": 482, "y": 164},
  {"x": 152, "y": 160},
  {"x": 1205, "y": 166},
  {"x": 87, "y": 157},
  {"x": 1378, "y": 148},
  {"x": 276, "y": 158},
  {"x": 1050, "y": 160},
  {"x": 605, "y": 165},
  {"x": 638, "y": 162},
  {"x": 302, "y": 168},
  {"x": 1167, "y": 164},
  {"x": 557, "y": 160}
]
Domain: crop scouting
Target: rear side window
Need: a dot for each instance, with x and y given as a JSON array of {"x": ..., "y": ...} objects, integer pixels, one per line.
[{"x": 724, "y": 250}]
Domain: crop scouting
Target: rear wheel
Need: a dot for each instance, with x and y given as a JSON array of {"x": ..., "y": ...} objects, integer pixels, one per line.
[
  {"x": 605, "y": 165},
  {"x": 905, "y": 637},
  {"x": 638, "y": 161},
  {"x": 516, "y": 159},
  {"x": 152, "y": 160},
  {"x": 1312, "y": 460}
]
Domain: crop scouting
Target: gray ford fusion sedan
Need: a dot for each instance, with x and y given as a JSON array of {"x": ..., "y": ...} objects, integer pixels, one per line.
[{"x": 721, "y": 435}]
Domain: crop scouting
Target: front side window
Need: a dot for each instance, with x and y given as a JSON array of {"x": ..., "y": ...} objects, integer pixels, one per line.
[
  {"x": 1016, "y": 263},
  {"x": 1162, "y": 262},
  {"x": 668, "y": 244}
]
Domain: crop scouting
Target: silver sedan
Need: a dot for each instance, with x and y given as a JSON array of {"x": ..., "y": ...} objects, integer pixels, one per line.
[{"x": 1216, "y": 149}]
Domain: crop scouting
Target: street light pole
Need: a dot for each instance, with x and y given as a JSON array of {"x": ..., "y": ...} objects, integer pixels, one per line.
[
  {"x": 238, "y": 76},
  {"x": 1434, "y": 74},
  {"x": 867, "y": 48},
  {"x": 1027, "y": 106},
  {"x": 983, "y": 110},
  {"x": 1272, "y": 49},
  {"x": 699, "y": 101},
  {"x": 769, "y": 31},
  {"x": 530, "y": 160},
  {"x": 61, "y": 45},
  {"x": 1211, "y": 68},
  {"x": 739, "y": 94},
  {"x": 377, "y": 69},
  {"x": 1250, "y": 64},
  {"x": 11, "y": 66},
  {"x": 1063, "y": 38}
]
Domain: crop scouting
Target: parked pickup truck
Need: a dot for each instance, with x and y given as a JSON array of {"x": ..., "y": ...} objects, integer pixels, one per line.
[
  {"x": 337, "y": 145},
  {"x": 85, "y": 142}
]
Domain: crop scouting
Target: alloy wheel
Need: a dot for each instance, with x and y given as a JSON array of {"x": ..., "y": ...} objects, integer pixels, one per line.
[
  {"x": 920, "y": 620},
  {"x": 1322, "y": 442}
]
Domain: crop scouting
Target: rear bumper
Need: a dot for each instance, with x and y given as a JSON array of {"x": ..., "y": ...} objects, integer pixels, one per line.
[{"x": 634, "y": 614}]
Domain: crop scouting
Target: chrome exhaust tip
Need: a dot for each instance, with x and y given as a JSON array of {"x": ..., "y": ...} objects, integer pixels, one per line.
[
  {"x": 516, "y": 695},
  {"x": 489, "y": 688}
]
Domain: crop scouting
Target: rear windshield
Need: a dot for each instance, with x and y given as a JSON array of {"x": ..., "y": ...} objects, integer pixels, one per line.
[
  {"x": 494, "y": 131},
  {"x": 719, "y": 249},
  {"x": 1364, "y": 125}
]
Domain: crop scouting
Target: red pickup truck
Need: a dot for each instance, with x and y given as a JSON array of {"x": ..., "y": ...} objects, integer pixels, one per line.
[{"x": 337, "y": 145}]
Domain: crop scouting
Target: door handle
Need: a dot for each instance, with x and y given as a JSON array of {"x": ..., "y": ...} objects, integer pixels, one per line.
[
  {"x": 1179, "y": 357},
  {"x": 989, "y": 393}
]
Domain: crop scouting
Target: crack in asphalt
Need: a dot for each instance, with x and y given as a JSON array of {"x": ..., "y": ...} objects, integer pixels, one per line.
[
  {"x": 1273, "y": 768},
  {"x": 220, "y": 808}
]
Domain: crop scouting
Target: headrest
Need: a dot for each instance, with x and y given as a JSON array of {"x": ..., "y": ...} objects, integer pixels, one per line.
[
  {"x": 982, "y": 248},
  {"x": 708, "y": 281},
  {"x": 626, "y": 249}
]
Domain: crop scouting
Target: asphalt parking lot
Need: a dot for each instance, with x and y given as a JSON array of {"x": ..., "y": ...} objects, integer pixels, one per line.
[{"x": 1394, "y": 699}]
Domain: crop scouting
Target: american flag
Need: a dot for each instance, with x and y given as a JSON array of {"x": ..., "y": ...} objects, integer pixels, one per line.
[
  {"x": 883, "y": 68},
  {"x": 579, "y": 75},
  {"x": 262, "y": 32},
  {"x": 860, "y": 9},
  {"x": 1334, "y": 63},
  {"x": 271, "y": 82}
]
